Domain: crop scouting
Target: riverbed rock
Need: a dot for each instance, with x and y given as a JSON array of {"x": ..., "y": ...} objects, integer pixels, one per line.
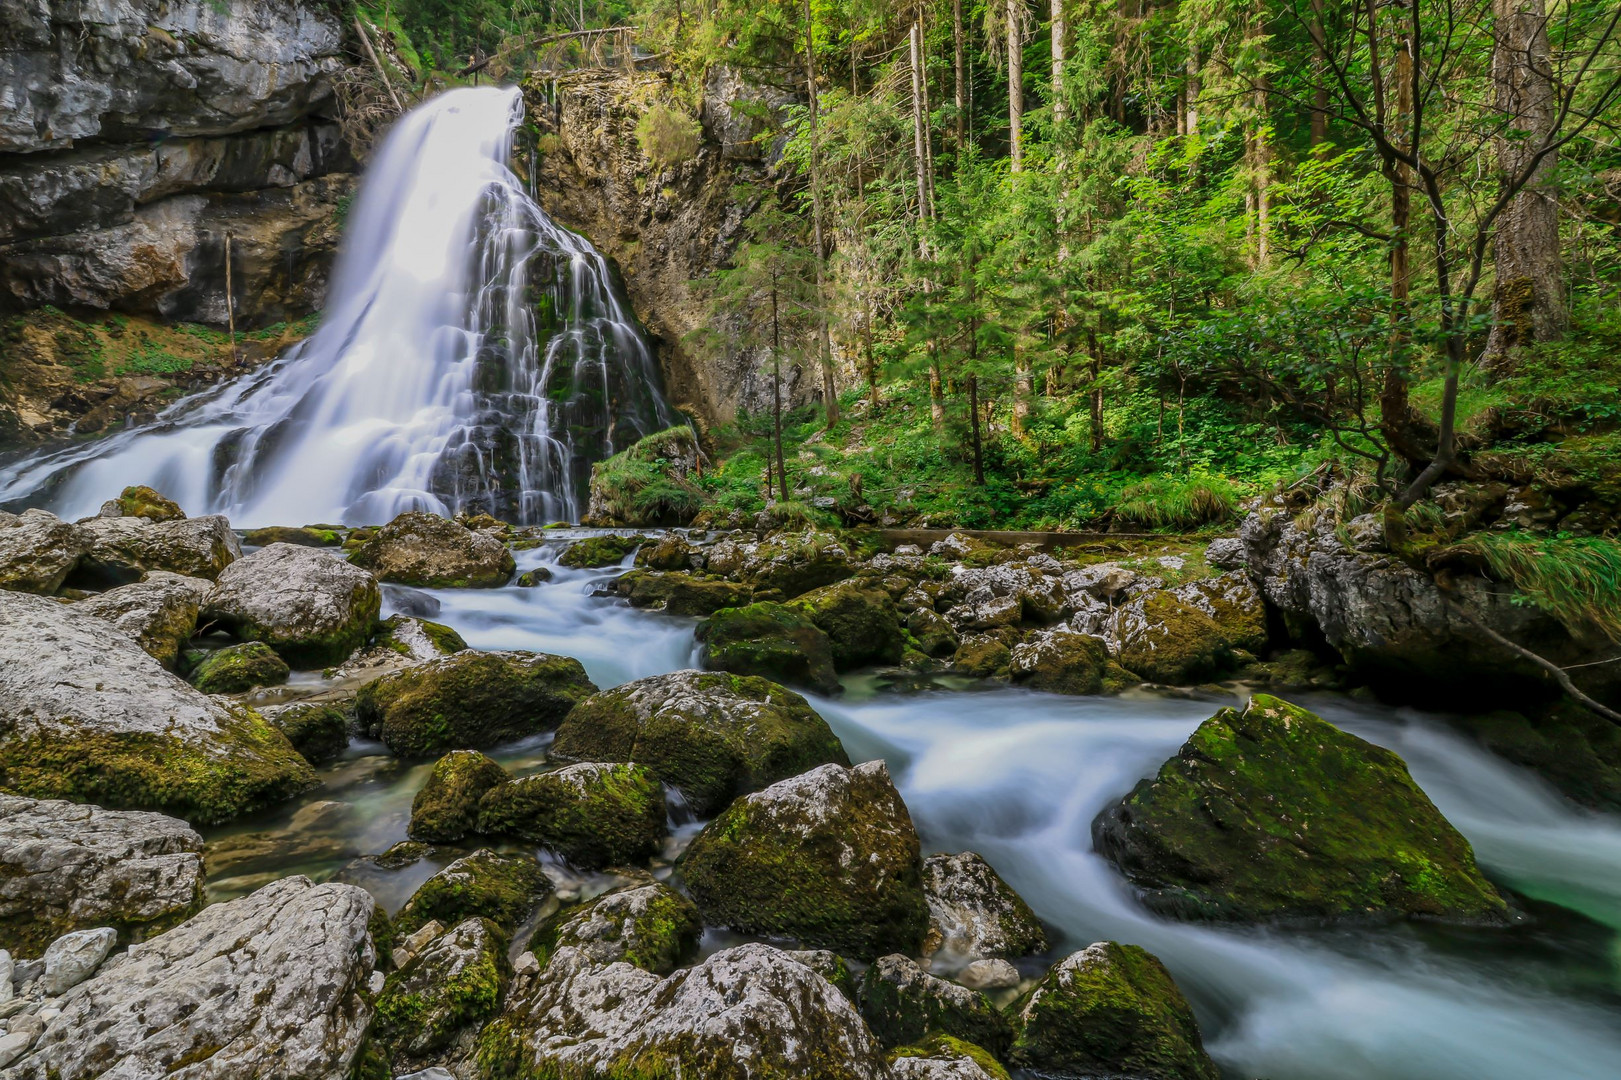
[
  {"x": 471, "y": 700},
  {"x": 124, "y": 549},
  {"x": 1234, "y": 604},
  {"x": 974, "y": 914},
  {"x": 240, "y": 667},
  {"x": 1064, "y": 661},
  {"x": 286, "y": 966},
  {"x": 1165, "y": 639},
  {"x": 860, "y": 622},
  {"x": 73, "y": 958},
  {"x": 87, "y": 715},
  {"x": 829, "y": 857},
  {"x": 159, "y": 612},
  {"x": 934, "y": 633},
  {"x": 650, "y": 926},
  {"x": 593, "y": 814},
  {"x": 792, "y": 563},
  {"x": 940, "y": 1057},
  {"x": 770, "y": 640},
  {"x": 318, "y": 730},
  {"x": 446, "y": 806},
  {"x": 1004, "y": 595},
  {"x": 746, "y": 1013},
  {"x": 140, "y": 501},
  {"x": 65, "y": 866},
  {"x": 429, "y": 551},
  {"x": 311, "y": 607},
  {"x": 38, "y": 550},
  {"x": 1109, "y": 1010},
  {"x": 454, "y": 983},
  {"x": 681, "y": 593},
  {"x": 505, "y": 889},
  {"x": 902, "y": 1003},
  {"x": 599, "y": 551},
  {"x": 302, "y": 535},
  {"x": 710, "y": 735},
  {"x": 669, "y": 552},
  {"x": 1273, "y": 813}
]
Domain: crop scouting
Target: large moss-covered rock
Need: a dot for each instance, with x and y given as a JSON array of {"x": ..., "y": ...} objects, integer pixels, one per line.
[
  {"x": 940, "y": 1057},
  {"x": 597, "y": 551},
  {"x": 903, "y": 1003},
  {"x": 429, "y": 551},
  {"x": 829, "y": 857},
  {"x": 933, "y": 632},
  {"x": 746, "y": 1013},
  {"x": 446, "y": 807},
  {"x": 417, "y": 640},
  {"x": 66, "y": 867},
  {"x": 302, "y": 535},
  {"x": 38, "y": 550},
  {"x": 651, "y": 926},
  {"x": 791, "y": 563},
  {"x": 312, "y": 608},
  {"x": 1109, "y": 1010},
  {"x": 648, "y": 483},
  {"x": 454, "y": 983},
  {"x": 471, "y": 700},
  {"x": 240, "y": 667},
  {"x": 1273, "y": 813},
  {"x": 505, "y": 889},
  {"x": 974, "y": 914},
  {"x": 123, "y": 549},
  {"x": 1063, "y": 661},
  {"x": 1234, "y": 604},
  {"x": 318, "y": 730},
  {"x": 159, "y": 612},
  {"x": 860, "y": 622},
  {"x": 86, "y": 715},
  {"x": 711, "y": 735},
  {"x": 681, "y": 593},
  {"x": 769, "y": 640},
  {"x": 1166, "y": 639},
  {"x": 669, "y": 552},
  {"x": 593, "y": 815},
  {"x": 140, "y": 501}
]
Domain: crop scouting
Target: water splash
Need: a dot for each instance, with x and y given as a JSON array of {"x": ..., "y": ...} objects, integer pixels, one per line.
[{"x": 473, "y": 356}]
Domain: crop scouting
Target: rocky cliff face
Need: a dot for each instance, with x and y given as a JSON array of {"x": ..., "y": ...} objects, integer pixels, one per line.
[
  {"x": 668, "y": 229},
  {"x": 136, "y": 135}
]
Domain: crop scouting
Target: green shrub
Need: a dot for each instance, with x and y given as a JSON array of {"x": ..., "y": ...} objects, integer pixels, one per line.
[
  {"x": 1170, "y": 502},
  {"x": 668, "y": 136}
]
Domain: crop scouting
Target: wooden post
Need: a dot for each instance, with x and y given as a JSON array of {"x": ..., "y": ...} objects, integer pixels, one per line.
[{"x": 365, "y": 39}]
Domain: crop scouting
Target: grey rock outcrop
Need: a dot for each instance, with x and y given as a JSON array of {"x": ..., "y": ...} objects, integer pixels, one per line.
[
  {"x": 974, "y": 914},
  {"x": 65, "y": 866},
  {"x": 124, "y": 549},
  {"x": 85, "y": 713},
  {"x": 38, "y": 550},
  {"x": 158, "y": 612},
  {"x": 271, "y": 985},
  {"x": 312, "y": 608},
  {"x": 423, "y": 549},
  {"x": 73, "y": 958}
]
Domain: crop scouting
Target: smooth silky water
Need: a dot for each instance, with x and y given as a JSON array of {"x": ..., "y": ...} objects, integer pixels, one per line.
[{"x": 1019, "y": 776}]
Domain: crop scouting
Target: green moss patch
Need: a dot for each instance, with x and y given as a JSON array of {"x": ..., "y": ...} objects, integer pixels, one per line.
[
  {"x": 505, "y": 889},
  {"x": 240, "y": 667},
  {"x": 446, "y": 807},
  {"x": 770, "y": 640},
  {"x": 598, "y": 551},
  {"x": 592, "y": 815}
]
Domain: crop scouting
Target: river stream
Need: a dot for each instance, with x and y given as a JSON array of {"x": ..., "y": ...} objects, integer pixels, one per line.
[{"x": 1018, "y": 776}]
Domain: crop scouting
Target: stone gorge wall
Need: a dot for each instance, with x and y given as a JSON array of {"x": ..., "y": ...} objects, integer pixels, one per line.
[
  {"x": 666, "y": 230},
  {"x": 136, "y": 134}
]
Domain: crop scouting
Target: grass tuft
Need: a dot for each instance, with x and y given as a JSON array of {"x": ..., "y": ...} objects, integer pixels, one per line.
[
  {"x": 1574, "y": 579},
  {"x": 1172, "y": 502}
]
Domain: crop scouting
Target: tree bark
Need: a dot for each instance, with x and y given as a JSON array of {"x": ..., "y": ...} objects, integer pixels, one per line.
[
  {"x": 925, "y": 211},
  {"x": 1023, "y": 390},
  {"x": 776, "y": 389},
  {"x": 937, "y": 393},
  {"x": 1060, "y": 30},
  {"x": 830, "y": 393},
  {"x": 1528, "y": 302},
  {"x": 959, "y": 59},
  {"x": 1194, "y": 84},
  {"x": 1319, "y": 99},
  {"x": 973, "y": 416},
  {"x": 1395, "y": 412},
  {"x": 1015, "y": 83},
  {"x": 1095, "y": 348}
]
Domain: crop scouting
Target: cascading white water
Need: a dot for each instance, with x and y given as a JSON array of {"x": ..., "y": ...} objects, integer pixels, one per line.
[{"x": 473, "y": 355}]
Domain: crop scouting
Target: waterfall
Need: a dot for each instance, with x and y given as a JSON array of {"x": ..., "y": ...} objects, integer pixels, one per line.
[{"x": 473, "y": 355}]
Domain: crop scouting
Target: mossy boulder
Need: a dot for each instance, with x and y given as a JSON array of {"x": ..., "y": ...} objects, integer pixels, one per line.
[
  {"x": 1109, "y": 1010},
  {"x": 429, "y": 551},
  {"x": 860, "y": 622},
  {"x": 974, "y": 914},
  {"x": 1061, "y": 661},
  {"x": 140, "y": 501},
  {"x": 94, "y": 718},
  {"x": 770, "y": 640},
  {"x": 651, "y": 926},
  {"x": 124, "y": 549},
  {"x": 471, "y": 700},
  {"x": 903, "y": 1003},
  {"x": 446, "y": 806},
  {"x": 1273, "y": 813},
  {"x": 933, "y": 632},
  {"x": 240, "y": 667},
  {"x": 597, "y": 551},
  {"x": 982, "y": 656},
  {"x": 710, "y": 735},
  {"x": 319, "y": 731},
  {"x": 303, "y": 536},
  {"x": 454, "y": 983},
  {"x": 38, "y": 550},
  {"x": 669, "y": 552},
  {"x": 796, "y": 563},
  {"x": 1575, "y": 750},
  {"x": 531, "y": 578},
  {"x": 505, "y": 889},
  {"x": 1234, "y": 604},
  {"x": 1165, "y": 639},
  {"x": 940, "y": 1057},
  {"x": 417, "y": 639},
  {"x": 648, "y": 483},
  {"x": 592, "y": 815},
  {"x": 681, "y": 593},
  {"x": 159, "y": 612},
  {"x": 829, "y": 857},
  {"x": 312, "y": 608}
]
